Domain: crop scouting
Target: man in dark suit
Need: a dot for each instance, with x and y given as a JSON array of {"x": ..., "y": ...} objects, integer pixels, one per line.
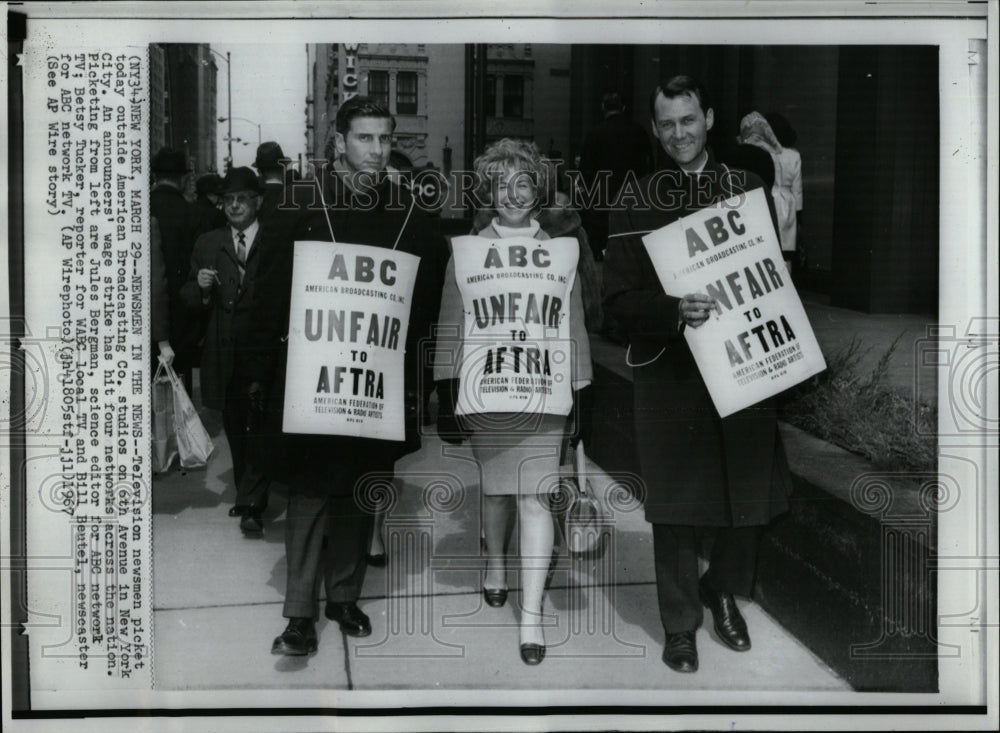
[
  {"x": 180, "y": 224},
  {"x": 616, "y": 147},
  {"x": 327, "y": 530},
  {"x": 221, "y": 282},
  {"x": 700, "y": 470}
]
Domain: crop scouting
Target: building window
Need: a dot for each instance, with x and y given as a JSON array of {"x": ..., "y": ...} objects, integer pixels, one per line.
[
  {"x": 513, "y": 96},
  {"x": 378, "y": 86},
  {"x": 406, "y": 93},
  {"x": 491, "y": 95}
]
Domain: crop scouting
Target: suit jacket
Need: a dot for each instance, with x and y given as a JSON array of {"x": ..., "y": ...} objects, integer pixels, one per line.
[
  {"x": 227, "y": 310},
  {"x": 698, "y": 469},
  {"x": 312, "y": 460}
]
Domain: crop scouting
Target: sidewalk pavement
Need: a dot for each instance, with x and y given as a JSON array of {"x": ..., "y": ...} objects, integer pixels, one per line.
[{"x": 218, "y": 596}]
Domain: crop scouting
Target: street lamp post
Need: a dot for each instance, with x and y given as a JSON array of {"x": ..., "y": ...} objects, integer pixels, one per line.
[
  {"x": 229, "y": 105},
  {"x": 242, "y": 119},
  {"x": 229, "y": 109}
]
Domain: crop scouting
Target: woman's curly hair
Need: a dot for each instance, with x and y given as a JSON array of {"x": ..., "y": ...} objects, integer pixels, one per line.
[{"x": 510, "y": 154}]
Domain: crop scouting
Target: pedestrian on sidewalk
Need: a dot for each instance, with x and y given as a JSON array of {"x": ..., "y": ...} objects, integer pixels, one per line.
[
  {"x": 790, "y": 179},
  {"x": 787, "y": 187},
  {"x": 701, "y": 472},
  {"x": 209, "y": 201},
  {"x": 220, "y": 286},
  {"x": 615, "y": 149},
  {"x": 180, "y": 224},
  {"x": 516, "y": 456},
  {"x": 328, "y": 528}
]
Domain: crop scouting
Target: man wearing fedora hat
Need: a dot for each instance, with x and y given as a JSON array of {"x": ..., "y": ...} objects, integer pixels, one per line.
[
  {"x": 223, "y": 271},
  {"x": 179, "y": 224},
  {"x": 279, "y": 210}
]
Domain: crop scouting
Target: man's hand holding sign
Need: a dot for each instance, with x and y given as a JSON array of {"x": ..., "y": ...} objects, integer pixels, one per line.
[
  {"x": 748, "y": 331},
  {"x": 695, "y": 308}
]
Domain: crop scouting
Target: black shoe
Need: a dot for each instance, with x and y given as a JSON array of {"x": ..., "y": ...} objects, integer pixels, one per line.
[
  {"x": 252, "y": 522},
  {"x": 680, "y": 652},
  {"x": 729, "y": 623},
  {"x": 532, "y": 654},
  {"x": 352, "y": 620},
  {"x": 377, "y": 561},
  {"x": 238, "y": 510},
  {"x": 297, "y": 640},
  {"x": 495, "y": 597}
]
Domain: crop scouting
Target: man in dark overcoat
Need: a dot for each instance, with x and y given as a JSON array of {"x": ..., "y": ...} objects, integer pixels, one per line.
[
  {"x": 208, "y": 200},
  {"x": 221, "y": 282},
  {"x": 329, "y": 525},
  {"x": 615, "y": 148},
  {"x": 700, "y": 471},
  {"x": 180, "y": 224}
]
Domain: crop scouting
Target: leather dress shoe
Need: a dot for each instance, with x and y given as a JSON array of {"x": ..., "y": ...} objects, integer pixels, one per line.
[
  {"x": 252, "y": 522},
  {"x": 532, "y": 654},
  {"x": 352, "y": 620},
  {"x": 729, "y": 623},
  {"x": 238, "y": 510},
  {"x": 680, "y": 653},
  {"x": 377, "y": 561},
  {"x": 495, "y": 597},
  {"x": 298, "y": 638}
]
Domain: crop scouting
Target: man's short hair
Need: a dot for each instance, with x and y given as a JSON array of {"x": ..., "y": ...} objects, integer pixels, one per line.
[
  {"x": 361, "y": 107},
  {"x": 679, "y": 86}
]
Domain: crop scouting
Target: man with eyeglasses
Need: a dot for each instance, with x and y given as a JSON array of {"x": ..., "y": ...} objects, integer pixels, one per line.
[{"x": 221, "y": 284}]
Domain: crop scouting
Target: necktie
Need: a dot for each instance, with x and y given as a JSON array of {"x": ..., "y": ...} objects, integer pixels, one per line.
[{"x": 241, "y": 253}]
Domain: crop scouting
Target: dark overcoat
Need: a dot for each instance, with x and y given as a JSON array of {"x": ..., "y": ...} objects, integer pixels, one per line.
[
  {"x": 180, "y": 224},
  {"x": 699, "y": 470},
  {"x": 281, "y": 208},
  {"x": 311, "y": 460},
  {"x": 212, "y": 217},
  {"x": 227, "y": 311}
]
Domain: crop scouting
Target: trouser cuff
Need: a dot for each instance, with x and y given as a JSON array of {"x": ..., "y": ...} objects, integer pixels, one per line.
[{"x": 299, "y": 609}]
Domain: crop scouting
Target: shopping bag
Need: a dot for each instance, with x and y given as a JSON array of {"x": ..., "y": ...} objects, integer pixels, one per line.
[
  {"x": 587, "y": 529},
  {"x": 194, "y": 445},
  {"x": 164, "y": 438}
]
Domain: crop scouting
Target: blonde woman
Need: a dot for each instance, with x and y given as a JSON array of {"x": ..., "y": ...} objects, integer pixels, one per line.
[{"x": 517, "y": 457}]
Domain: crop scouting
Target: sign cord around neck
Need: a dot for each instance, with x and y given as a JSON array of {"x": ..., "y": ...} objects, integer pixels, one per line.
[
  {"x": 326, "y": 213},
  {"x": 409, "y": 211}
]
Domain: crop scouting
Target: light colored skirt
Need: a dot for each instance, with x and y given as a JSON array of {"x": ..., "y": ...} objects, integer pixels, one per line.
[{"x": 517, "y": 454}]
